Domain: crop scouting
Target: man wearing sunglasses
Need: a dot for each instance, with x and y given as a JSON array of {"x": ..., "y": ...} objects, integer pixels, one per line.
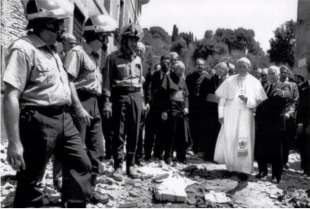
[{"x": 37, "y": 100}]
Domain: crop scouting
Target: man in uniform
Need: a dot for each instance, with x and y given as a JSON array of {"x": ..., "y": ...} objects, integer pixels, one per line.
[
  {"x": 83, "y": 66},
  {"x": 290, "y": 114},
  {"x": 122, "y": 90},
  {"x": 36, "y": 110}
]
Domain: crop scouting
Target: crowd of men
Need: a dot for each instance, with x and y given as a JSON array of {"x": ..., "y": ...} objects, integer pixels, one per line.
[{"x": 80, "y": 111}]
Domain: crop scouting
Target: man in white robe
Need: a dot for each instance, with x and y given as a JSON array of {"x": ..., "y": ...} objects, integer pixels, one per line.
[{"x": 239, "y": 95}]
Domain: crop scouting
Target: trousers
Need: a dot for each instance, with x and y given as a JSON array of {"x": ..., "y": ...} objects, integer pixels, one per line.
[
  {"x": 92, "y": 135},
  {"x": 43, "y": 133},
  {"x": 126, "y": 110}
]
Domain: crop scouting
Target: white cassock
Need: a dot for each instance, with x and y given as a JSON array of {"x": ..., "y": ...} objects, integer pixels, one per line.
[{"x": 239, "y": 124}]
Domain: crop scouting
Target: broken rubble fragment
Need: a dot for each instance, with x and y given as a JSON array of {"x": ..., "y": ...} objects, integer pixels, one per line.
[
  {"x": 129, "y": 205},
  {"x": 217, "y": 197},
  {"x": 160, "y": 178},
  {"x": 133, "y": 194},
  {"x": 172, "y": 189}
]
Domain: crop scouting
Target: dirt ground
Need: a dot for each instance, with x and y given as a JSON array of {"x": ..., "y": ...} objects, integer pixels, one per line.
[{"x": 293, "y": 190}]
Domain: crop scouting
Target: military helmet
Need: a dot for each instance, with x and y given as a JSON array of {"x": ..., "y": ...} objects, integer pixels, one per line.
[
  {"x": 100, "y": 23},
  {"x": 57, "y": 9},
  {"x": 132, "y": 30}
]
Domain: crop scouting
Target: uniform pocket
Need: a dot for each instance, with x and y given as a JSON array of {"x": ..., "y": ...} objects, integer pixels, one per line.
[
  {"x": 122, "y": 71},
  {"x": 46, "y": 74}
]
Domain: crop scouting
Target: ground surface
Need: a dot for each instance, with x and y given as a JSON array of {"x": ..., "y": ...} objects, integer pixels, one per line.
[{"x": 291, "y": 192}]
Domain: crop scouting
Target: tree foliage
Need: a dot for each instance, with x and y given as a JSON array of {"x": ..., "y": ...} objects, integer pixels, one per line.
[
  {"x": 214, "y": 47},
  {"x": 175, "y": 33},
  {"x": 282, "y": 46}
]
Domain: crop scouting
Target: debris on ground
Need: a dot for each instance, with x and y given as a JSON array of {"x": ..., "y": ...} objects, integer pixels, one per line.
[
  {"x": 172, "y": 189},
  {"x": 297, "y": 199},
  {"x": 198, "y": 184},
  {"x": 217, "y": 197}
]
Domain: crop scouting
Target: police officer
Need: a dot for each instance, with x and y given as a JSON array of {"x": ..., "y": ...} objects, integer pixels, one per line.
[
  {"x": 36, "y": 101},
  {"x": 122, "y": 85},
  {"x": 83, "y": 66}
]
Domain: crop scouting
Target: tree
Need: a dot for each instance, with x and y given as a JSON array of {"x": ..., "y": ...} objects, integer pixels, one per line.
[
  {"x": 226, "y": 36},
  {"x": 244, "y": 39},
  {"x": 209, "y": 47},
  {"x": 158, "y": 42},
  {"x": 179, "y": 46},
  {"x": 188, "y": 37},
  {"x": 159, "y": 32},
  {"x": 282, "y": 46},
  {"x": 175, "y": 33},
  {"x": 208, "y": 34}
]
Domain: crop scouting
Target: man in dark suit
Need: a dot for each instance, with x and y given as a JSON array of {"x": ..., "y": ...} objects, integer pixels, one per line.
[
  {"x": 303, "y": 127},
  {"x": 196, "y": 82},
  {"x": 270, "y": 123},
  {"x": 156, "y": 133}
]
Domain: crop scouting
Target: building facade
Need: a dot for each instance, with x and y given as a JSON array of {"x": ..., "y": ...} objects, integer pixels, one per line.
[
  {"x": 13, "y": 20},
  {"x": 303, "y": 38}
]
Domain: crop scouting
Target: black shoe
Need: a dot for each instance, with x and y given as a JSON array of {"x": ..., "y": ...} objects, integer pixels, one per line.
[
  {"x": 275, "y": 180},
  {"x": 69, "y": 204},
  {"x": 140, "y": 163},
  {"x": 261, "y": 175},
  {"x": 168, "y": 161},
  {"x": 147, "y": 157},
  {"x": 99, "y": 198},
  {"x": 118, "y": 174},
  {"x": 132, "y": 172}
]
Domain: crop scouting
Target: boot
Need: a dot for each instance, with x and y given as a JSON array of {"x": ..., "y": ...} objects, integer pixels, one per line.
[
  {"x": 130, "y": 169},
  {"x": 132, "y": 172},
  {"x": 118, "y": 174},
  {"x": 99, "y": 198}
]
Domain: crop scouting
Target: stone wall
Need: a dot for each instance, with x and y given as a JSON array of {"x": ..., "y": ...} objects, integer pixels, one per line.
[
  {"x": 302, "y": 38},
  {"x": 13, "y": 21}
]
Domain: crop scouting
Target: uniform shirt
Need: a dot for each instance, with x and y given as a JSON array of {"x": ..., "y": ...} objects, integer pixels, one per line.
[
  {"x": 37, "y": 71},
  {"x": 121, "y": 70},
  {"x": 84, "y": 67}
]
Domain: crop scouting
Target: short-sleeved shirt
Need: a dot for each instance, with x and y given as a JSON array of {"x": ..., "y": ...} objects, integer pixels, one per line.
[
  {"x": 122, "y": 70},
  {"x": 37, "y": 71},
  {"x": 84, "y": 67}
]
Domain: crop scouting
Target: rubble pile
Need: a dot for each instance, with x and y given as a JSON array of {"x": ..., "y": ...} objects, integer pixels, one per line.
[
  {"x": 297, "y": 199},
  {"x": 197, "y": 184}
]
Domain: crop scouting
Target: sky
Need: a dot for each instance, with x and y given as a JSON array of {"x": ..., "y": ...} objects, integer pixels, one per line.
[{"x": 197, "y": 16}]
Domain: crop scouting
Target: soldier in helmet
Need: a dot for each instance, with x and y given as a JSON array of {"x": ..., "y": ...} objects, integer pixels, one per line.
[
  {"x": 122, "y": 89},
  {"x": 83, "y": 66},
  {"x": 36, "y": 103}
]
